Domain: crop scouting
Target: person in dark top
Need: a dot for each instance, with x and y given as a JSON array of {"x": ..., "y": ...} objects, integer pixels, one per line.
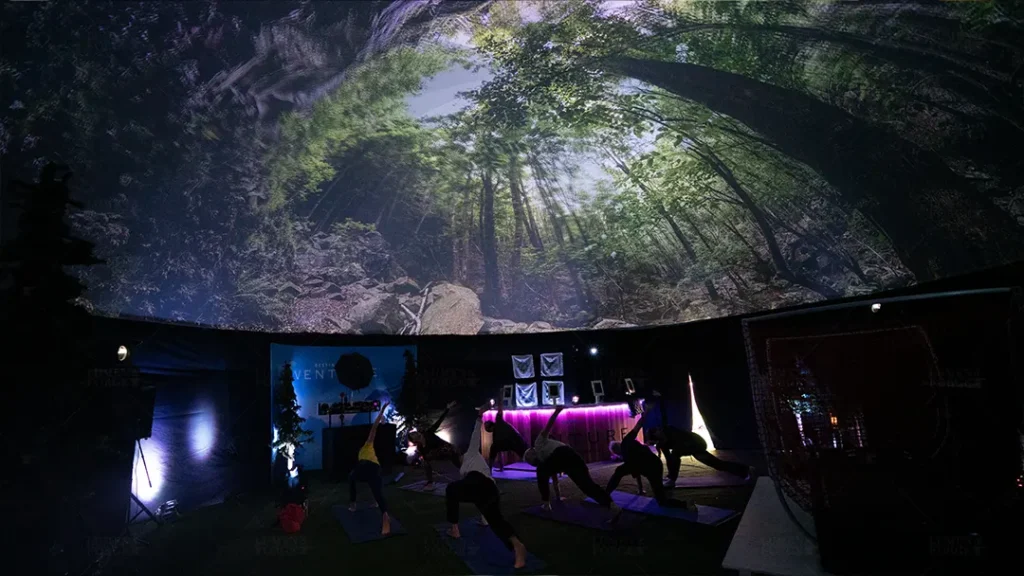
[
  {"x": 552, "y": 457},
  {"x": 504, "y": 438},
  {"x": 639, "y": 461},
  {"x": 433, "y": 449},
  {"x": 675, "y": 443}
]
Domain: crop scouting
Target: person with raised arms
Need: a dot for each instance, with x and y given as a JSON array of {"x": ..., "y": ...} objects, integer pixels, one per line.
[
  {"x": 552, "y": 457},
  {"x": 504, "y": 437},
  {"x": 368, "y": 470},
  {"x": 476, "y": 486},
  {"x": 431, "y": 448},
  {"x": 638, "y": 461}
]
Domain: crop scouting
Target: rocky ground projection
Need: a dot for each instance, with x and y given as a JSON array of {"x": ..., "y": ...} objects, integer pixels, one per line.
[{"x": 464, "y": 167}]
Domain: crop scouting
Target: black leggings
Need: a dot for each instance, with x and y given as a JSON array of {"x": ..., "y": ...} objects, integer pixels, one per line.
[
  {"x": 652, "y": 472},
  {"x": 565, "y": 459},
  {"x": 517, "y": 448},
  {"x": 444, "y": 451},
  {"x": 369, "y": 472},
  {"x": 482, "y": 492},
  {"x": 674, "y": 456}
]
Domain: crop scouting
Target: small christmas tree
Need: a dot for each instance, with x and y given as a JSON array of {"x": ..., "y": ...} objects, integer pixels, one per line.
[
  {"x": 290, "y": 434},
  {"x": 411, "y": 404}
]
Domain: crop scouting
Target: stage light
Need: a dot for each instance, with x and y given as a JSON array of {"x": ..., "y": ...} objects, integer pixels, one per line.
[
  {"x": 492, "y": 401},
  {"x": 593, "y": 350},
  {"x": 876, "y": 307},
  {"x": 443, "y": 435},
  {"x": 122, "y": 353},
  {"x": 834, "y": 420},
  {"x": 575, "y": 399}
]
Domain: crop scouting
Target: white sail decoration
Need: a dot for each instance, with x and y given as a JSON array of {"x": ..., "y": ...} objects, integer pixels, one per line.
[
  {"x": 526, "y": 395},
  {"x": 522, "y": 366},
  {"x": 554, "y": 393},
  {"x": 697, "y": 425},
  {"x": 551, "y": 364}
]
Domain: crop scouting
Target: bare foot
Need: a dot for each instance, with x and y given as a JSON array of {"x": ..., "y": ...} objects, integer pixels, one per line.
[
  {"x": 375, "y": 505},
  {"x": 385, "y": 525},
  {"x": 352, "y": 507},
  {"x": 454, "y": 532},
  {"x": 520, "y": 551}
]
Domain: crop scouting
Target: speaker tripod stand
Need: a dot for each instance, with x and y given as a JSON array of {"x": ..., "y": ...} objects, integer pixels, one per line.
[{"x": 142, "y": 507}]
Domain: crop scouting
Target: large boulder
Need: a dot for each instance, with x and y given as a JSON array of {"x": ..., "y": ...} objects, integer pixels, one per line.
[
  {"x": 611, "y": 324},
  {"x": 503, "y": 326},
  {"x": 452, "y": 309}
]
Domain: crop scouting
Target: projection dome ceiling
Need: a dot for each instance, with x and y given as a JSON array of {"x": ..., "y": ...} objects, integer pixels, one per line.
[{"x": 490, "y": 167}]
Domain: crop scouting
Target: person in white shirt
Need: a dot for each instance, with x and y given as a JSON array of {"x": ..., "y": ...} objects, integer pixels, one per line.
[
  {"x": 552, "y": 457},
  {"x": 476, "y": 486}
]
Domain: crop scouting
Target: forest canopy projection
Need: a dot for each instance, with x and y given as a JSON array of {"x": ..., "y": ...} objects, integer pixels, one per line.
[{"x": 429, "y": 167}]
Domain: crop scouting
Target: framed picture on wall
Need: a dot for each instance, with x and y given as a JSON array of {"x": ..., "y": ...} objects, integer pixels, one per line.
[
  {"x": 508, "y": 399},
  {"x": 630, "y": 389},
  {"x": 554, "y": 393},
  {"x": 598, "y": 389}
]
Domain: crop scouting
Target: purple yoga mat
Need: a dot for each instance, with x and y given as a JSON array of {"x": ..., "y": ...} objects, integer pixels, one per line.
[
  {"x": 707, "y": 515},
  {"x": 483, "y": 552},
  {"x": 588, "y": 516},
  {"x": 364, "y": 525}
]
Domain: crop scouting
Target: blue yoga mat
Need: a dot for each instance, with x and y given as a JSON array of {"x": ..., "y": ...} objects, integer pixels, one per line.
[
  {"x": 363, "y": 525},
  {"x": 483, "y": 552},
  {"x": 512, "y": 474},
  {"x": 707, "y": 515},
  {"x": 588, "y": 516},
  {"x": 439, "y": 488}
]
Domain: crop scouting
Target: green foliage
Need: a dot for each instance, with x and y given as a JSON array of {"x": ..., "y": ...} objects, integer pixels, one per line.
[{"x": 290, "y": 434}]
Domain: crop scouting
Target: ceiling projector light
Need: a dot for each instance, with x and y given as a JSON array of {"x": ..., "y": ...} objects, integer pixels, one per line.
[
  {"x": 876, "y": 307},
  {"x": 122, "y": 353}
]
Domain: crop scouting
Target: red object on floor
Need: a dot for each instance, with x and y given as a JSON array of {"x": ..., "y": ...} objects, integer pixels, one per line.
[{"x": 291, "y": 518}]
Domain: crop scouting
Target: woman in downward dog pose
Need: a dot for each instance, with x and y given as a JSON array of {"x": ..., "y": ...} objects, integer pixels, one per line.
[
  {"x": 504, "y": 437},
  {"x": 432, "y": 449},
  {"x": 675, "y": 443},
  {"x": 477, "y": 487},
  {"x": 368, "y": 470},
  {"x": 552, "y": 457},
  {"x": 638, "y": 461}
]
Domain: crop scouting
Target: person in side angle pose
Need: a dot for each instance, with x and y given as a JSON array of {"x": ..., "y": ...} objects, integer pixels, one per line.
[
  {"x": 552, "y": 457},
  {"x": 368, "y": 470},
  {"x": 504, "y": 438},
  {"x": 476, "y": 486},
  {"x": 639, "y": 461},
  {"x": 675, "y": 443},
  {"x": 433, "y": 449}
]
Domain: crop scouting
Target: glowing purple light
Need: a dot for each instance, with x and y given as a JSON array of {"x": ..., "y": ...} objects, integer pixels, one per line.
[{"x": 603, "y": 409}]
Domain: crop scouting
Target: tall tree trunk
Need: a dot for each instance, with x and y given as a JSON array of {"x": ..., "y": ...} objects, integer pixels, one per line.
[
  {"x": 691, "y": 254},
  {"x": 531, "y": 222},
  {"x": 489, "y": 244},
  {"x": 582, "y": 291},
  {"x": 761, "y": 219},
  {"x": 518, "y": 240},
  {"x": 936, "y": 225}
]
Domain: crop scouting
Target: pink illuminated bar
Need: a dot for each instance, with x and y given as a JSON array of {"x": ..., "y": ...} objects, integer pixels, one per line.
[{"x": 588, "y": 429}]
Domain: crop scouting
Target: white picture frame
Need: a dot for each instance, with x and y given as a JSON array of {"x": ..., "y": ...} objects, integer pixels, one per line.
[
  {"x": 508, "y": 399},
  {"x": 630, "y": 389},
  {"x": 556, "y": 399},
  {"x": 597, "y": 387}
]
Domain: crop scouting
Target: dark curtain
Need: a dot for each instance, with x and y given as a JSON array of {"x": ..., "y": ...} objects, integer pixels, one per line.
[{"x": 721, "y": 384}]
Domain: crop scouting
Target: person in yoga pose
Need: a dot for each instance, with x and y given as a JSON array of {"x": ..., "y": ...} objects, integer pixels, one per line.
[
  {"x": 476, "y": 486},
  {"x": 368, "y": 470},
  {"x": 552, "y": 457},
  {"x": 504, "y": 438},
  {"x": 639, "y": 461},
  {"x": 433, "y": 449},
  {"x": 675, "y": 443}
]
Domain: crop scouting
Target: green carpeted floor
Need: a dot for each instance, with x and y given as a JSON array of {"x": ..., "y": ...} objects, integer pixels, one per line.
[{"x": 240, "y": 537}]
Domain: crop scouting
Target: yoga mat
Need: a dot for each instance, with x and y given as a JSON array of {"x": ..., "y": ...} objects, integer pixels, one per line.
[
  {"x": 524, "y": 467},
  {"x": 707, "y": 515},
  {"x": 510, "y": 474},
  {"x": 397, "y": 477},
  {"x": 710, "y": 481},
  {"x": 595, "y": 517},
  {"x": 439, "y": 488},
  {"x": 363, "y": 525},
  {"x": 483, "y": 552}
]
